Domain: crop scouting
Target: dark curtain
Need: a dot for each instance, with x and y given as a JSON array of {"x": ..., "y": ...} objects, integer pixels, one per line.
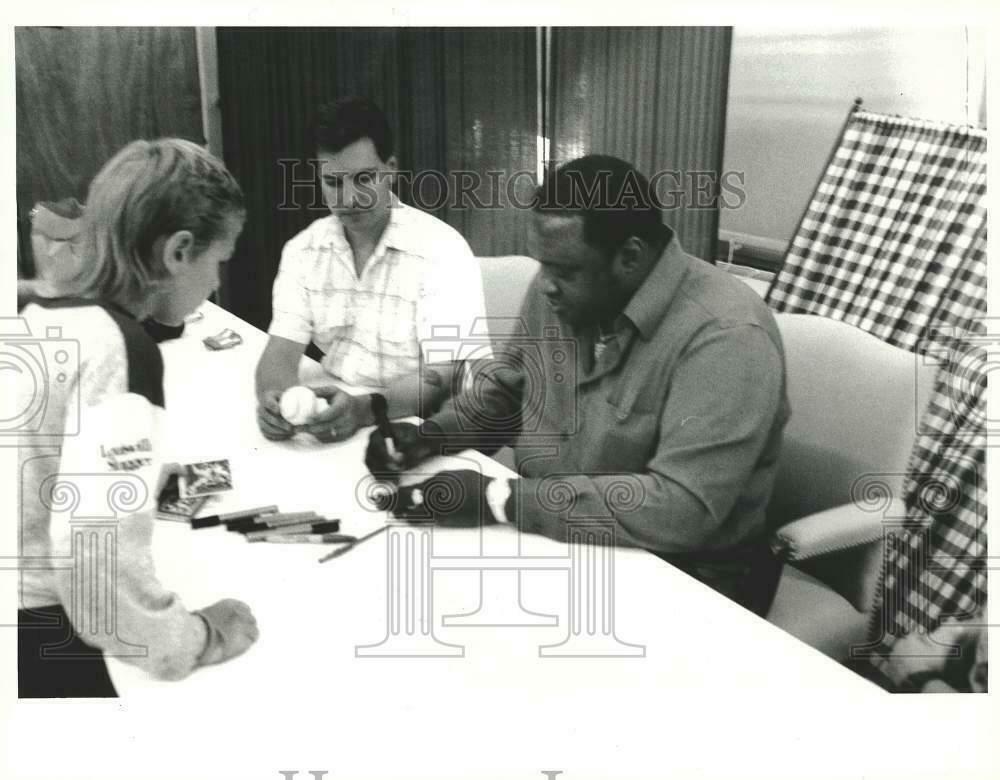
[
  {"x": 655, "y": 96},
  {"x": 450, "y": 111},
  {"x": 491, "y": 124}
]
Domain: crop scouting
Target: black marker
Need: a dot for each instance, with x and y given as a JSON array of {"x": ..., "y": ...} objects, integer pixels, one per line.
[
  {"x": 229, "y": 517},
  {"x": 380, "y": 409},
  {"x": 321, "y": 527},
  {"x": 272, "y": 520}
]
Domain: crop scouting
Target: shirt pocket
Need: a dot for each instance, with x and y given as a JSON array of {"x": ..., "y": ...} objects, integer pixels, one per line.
[
  {"x": 331, "y": 313},
  {"x": 388, "y": 321},
  {"x": 628, "y": 429}
]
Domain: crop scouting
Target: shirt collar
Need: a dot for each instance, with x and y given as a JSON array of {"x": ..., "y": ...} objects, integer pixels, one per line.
[
  {"x": 395, "y": 236},
  {"x": 653, "y": 298}
]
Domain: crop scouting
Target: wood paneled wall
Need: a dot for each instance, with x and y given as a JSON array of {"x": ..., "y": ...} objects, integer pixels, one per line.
[{"x": 84, "y": 92}]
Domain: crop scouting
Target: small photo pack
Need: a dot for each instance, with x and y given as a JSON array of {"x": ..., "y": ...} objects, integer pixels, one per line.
[
  {"x": 170, "y": 505},
  {"x": 225, "y": 339},
  {"x": 206, "y": 478}
]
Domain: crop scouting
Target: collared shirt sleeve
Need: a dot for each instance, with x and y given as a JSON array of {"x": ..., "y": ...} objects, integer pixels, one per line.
[
  {"x": 720, "y": 411},
  {"x": 486, "y": 413},
  {"x": 451, "y": 314},
  {"x": 291, "y": 312}
]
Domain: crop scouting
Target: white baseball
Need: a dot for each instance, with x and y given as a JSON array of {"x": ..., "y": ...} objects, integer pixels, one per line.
[{"x": 297, "y": 404}]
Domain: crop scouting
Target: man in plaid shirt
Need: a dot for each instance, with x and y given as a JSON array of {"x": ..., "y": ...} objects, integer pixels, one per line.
[{"x": 368, "y": 285}]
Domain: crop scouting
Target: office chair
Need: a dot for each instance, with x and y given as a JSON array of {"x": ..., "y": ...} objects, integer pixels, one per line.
[
  {"x": 505, "y": 281},
  {"x": 856, "y": 403}
]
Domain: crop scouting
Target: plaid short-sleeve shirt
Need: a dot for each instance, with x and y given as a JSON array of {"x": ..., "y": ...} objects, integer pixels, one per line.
[{"x": 420, "y": 291}]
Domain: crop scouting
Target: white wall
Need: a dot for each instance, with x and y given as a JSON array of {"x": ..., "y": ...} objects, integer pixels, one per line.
[{"x": 790, "y": 90}]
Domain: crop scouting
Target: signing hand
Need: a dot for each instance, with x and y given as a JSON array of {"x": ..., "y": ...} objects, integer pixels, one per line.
[{"x": 410, "y": 446}]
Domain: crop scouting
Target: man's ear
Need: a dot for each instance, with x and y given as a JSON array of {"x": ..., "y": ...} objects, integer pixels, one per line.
[
  {"x": 178, "y": 249},
  {"x": 629, "y": 257},
  {"x": 392, "y": 168}
]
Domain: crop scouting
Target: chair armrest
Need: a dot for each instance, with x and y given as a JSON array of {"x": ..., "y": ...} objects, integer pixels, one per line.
[{"x": 839, "y": 528}]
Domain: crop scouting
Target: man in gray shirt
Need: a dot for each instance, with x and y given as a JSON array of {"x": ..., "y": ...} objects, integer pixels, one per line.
[{"x": 649, "y": 389}]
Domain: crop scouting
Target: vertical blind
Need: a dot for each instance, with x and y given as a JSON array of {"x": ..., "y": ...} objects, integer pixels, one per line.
[
  {"x": 491, "y": 125},
  {"x": 655, "y": 96}
]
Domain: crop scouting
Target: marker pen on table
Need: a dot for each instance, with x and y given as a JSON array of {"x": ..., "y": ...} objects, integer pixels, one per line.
[
  {"x": 307, "y": 539},
  {"x": 322, "y": 527},
  {"x": 348, "y": 547},
  {"x": 245, "y": 514},
  {"x": 273, "y": 520}
]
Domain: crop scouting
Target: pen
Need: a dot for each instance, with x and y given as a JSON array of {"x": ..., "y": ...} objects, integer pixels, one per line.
[
  {"x": 306, "y": 538},
  {"x": 229, "y": 517},
  {"x": 348, "y": 547},
  {"x": 273, "y": 520},
  {"x": 380, "y": 409},
  {"x": 322, "y": 527}
]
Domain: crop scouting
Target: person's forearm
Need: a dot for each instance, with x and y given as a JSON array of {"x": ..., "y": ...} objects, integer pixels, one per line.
[
  {"x": 275, "y": 372},
  {"x": 420, "y": 394},
  {"x": 413, "y": 395},
  {"x": 488, "y": 416},
  {"x": 648, "y": 510}
]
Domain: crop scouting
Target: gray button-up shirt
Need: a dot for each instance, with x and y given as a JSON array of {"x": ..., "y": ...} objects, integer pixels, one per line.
[{"x": 673, "y": 432}]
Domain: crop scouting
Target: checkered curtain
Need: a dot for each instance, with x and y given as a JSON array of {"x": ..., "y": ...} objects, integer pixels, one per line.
[{"x": 894, "y": 242}]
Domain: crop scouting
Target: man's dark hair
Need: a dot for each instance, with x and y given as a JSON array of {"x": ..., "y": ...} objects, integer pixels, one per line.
[
  {"x": 614, "y": 199},
  {"x": 344, "y": 121}
]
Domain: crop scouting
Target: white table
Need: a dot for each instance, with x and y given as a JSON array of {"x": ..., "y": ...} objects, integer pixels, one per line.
[{"x": 691, "y": 670}]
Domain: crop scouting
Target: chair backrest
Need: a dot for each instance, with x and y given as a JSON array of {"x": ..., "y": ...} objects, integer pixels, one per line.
[
  {"x": 856, "y": 406},
  {"x": 505, "y": 281}
]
